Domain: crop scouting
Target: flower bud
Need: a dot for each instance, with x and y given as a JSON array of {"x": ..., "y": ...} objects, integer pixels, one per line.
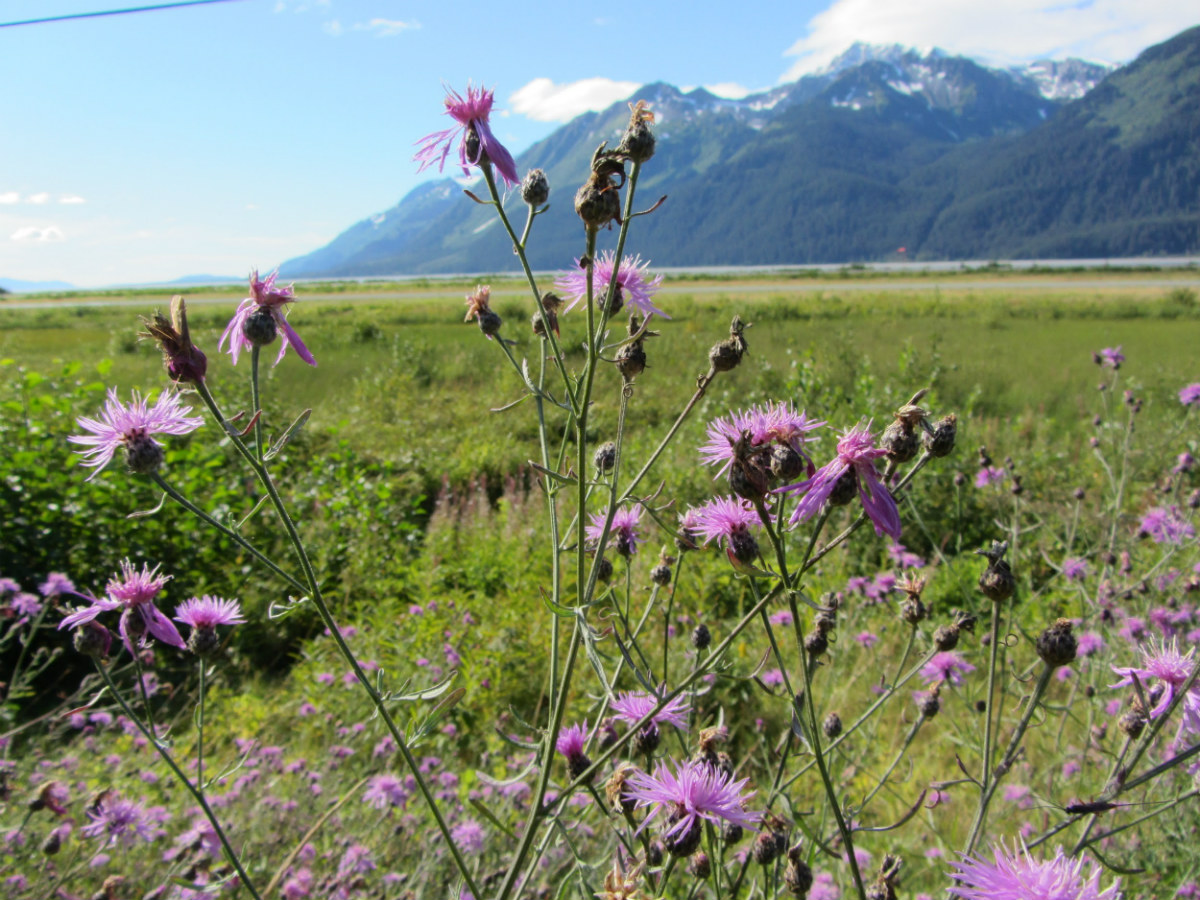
[
  {"x": 661, "y": 575},
  {"x": 183, "y": 361},
  {"x": 637, "y": 144},
  {"x": 928, "y": 703},
  {"x": 940, "y": 442},
  {"x": 631, "y": 360},
  {"x": 701, "y": 637},
  {"x": 945, "y": 637},
  {"x": 727, "y": 354},
  {"x": 816, "y": 643},
  {"x": 53, "y": 843},
  {"x": 647, "y": 739},
  {"x": 535, "y": 188},
  {"x": 93, "y": 639},
  {"x": 699, "y": 865},
  {"x": 798, "y": 876},
  {"x": 1056, "y": 645},
  {"x": 604, "y": 570},
  {"x": 731, "y": 833},
  {"x": 203, "y": 641},
  {"x": 832, "y": 726},
  {"x": 1132, "y": 723},
  {"x": 997, "y": 581},
  {"x": 912, "y": 610},
  {"x": 786, "y": 464}
]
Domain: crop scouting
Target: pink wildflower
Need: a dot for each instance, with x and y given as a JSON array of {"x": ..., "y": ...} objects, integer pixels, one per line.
[
  {"x": 264, "y": 297},
  {"x": 692, "y": 792},
  {"x": 478, "y": 146},
  {"x": 134, "y": 593},
  {"x": 132, "y": 427},
  {"x": 946, "y": 666},
  {"x": 633, "y": 287},
  {"x": 1112, "y": 357},
  {"x": 1014, "y": 876},
  {"x": 1190, "y": 395},
  {"x": 623, "y": 531},
  {"x": 1171, "y": 669},
  {"x": 633, "y": 707}
]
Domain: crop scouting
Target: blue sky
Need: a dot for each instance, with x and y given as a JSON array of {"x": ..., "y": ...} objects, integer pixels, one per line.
[{"x": 219, "y": 138}]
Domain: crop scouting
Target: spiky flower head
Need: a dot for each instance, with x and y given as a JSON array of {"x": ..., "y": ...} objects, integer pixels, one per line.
[
  {"x": 948, "y": 666},
  {"x": 183, "y": 360},
  {"x": 1166, "y": 665},
  {"x": 132, "y": 592},
  {"x": 1189, "y": 395},
  {"x": 132, "y": 428},
  {"x": 689, "y": 793},
  {"x": 478, "y": 146},
  {"x": 204, "y": 614},
  {"x": 260, "y": 316},
  {"x": 727, "y": 520},
  {"x": 117, "y": 820},
  {"x": 632, "y": 284},
  {"x": 480, "y": 310},
  {"x": 1111, "y": 357},
  {"x": 856, "y": 455},
  {"x": 623, "y": 533},
  {"x": 1015, "y": 875},
  {"x": 635, "y": 706}
]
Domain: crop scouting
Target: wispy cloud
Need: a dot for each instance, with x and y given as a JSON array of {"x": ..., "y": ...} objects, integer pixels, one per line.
[
  {"x": 10, "y": 197},
  {"x": 387, "y": 27},
  {"x": 1005, "y": 32},
  {"x": 544, "y": 101},
  {"x": 34, "y": 235},
  {"x": 38, "y": 199},
  {"x": 71, "y": 199}
]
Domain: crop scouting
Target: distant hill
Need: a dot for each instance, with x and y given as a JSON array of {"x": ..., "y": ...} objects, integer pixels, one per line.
[
  {"x": 886, "y": 148},
  {"x": 16, "y": 286}
]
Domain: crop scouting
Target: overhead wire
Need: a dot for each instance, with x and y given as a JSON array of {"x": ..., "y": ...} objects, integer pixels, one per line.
[{"x": 112, "y": 12}]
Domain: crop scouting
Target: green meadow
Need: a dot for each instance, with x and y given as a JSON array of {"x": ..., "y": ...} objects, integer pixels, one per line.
[{"x": 412, "y": 478}]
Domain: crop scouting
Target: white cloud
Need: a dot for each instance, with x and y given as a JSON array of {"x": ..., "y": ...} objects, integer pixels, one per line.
[
  {"x": 39, "y": 199},
  {"x": 32, "y": 234},
  {"x": 730, "y": 90},
  {"x": 544, "y": 101},
  {"x": 71, "y": 199},
  {"x": 1000, "y": 32},
  {"x": 387, "y": 27},
  {"x": 10, "y": 197},
  {"x": 333, "y": 27}
]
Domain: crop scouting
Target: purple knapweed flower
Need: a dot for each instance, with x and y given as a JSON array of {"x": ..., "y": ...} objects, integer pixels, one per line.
[
  {"x": 694, "y": 791},
  {"x": 1171, "y": 669},
  {"x": 988, "y": 475},
  {"x": 208, "y": 612},
  {"x": 133, "y": 592},
  {"x": 478, "y": 144},
  {"x": 56, "y": 583},
  {"x": 946, "y": 666},
  {"x": 1190, "y": 395},
  {"x": 856, "y": 453},
  {"x": 867, "y": 639},
  {"x": 633, "y": 707},
  {"x": 572, "y": 741},
  {"x": 1017, "y": 876},
  {"x": 633, "y": 287},
  {"x": 1109, "y": 356},
  {"x": 772, "y": 423},
  {"x": 1184, "y": 462},
  {"x": 386, "y": 790},
  {"x": 117, "y": 820},
  {"x": 1074, "y": 569},
  {"x": 469, "y": 836},
  {"x": 903, "y": 557},
  {"x": 722, "y": 517},
  {"x": 132, "y": 427},
  {"x": 264, "y": 296},
  {"x": 1166, "y": 525},
  {"x": 623, "y": 532},
  {"x": 25, "y": 604}
]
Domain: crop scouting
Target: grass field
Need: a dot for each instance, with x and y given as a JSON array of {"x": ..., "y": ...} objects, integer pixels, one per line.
[{"x": 427, "y": 521}]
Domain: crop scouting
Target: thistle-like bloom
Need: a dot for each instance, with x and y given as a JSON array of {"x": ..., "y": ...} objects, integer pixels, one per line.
[
  {"x": 633, "y": 707},
  {"x": 623, "y": 532},
  {"x": 477, "y": 146},
  {"x": 856, "y": 454},
  {"x": 1112, "y": 357},
  {"x": 131, "y": 427},
  {"x": 571, "y": 741},
  {"x": 208, "y": 612},
  {"x": 117, "y": 820},
  {"x": 1171, "y": 669},
  {"x": 1018, "y": 876},
  {"x": 268, "y": 300},
  {"x": 385, "y": 790},
  {"x": 633, "y": 287},
  {"x": 780, "y": 424},
  {"x": 1190, "y": 394},
  {"x": 1166, "y": 525},
  {"x": 946, "y": 666},
  {"x": 722, "y": 518},
  {"x": 1074, "y": 569},
  {"x": 694, "y": 791},
  {"x": 56, "y": 583},
  {"x": 133, "y": 592}
]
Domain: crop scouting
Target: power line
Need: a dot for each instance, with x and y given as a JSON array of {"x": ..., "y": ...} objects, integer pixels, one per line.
[{"x": 113, "y": 12}]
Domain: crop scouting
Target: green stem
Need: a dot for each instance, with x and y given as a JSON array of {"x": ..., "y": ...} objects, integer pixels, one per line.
[
  {"x": 256, "y": 412},
  {"x": 195, "y": 791}
]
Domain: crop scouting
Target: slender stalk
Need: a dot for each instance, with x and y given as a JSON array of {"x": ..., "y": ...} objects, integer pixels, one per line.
[
  {"x": 192, "y": 789},
  {"x": 200, "y": 726},
  {"x": 256, "y": 402}
]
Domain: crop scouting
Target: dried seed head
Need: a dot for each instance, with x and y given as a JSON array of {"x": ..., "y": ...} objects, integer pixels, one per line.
[
  {"x": 1057, "y": 645},
  {"x": 183, "y": 361},
  {"x": 816, "y": 643},
  {"x": 478, "y": 308},
  {"x": 945, "y": 637},
  {"x": 605, "y": 456},
  {"x": 661, "y": 575},
  {"x": 637, "y": 144},
  {"x": 797, "y": 877},
  {"x": 997, "y": 581},
  {"x": 614, "y": 788},
  {"x": 900, "y": 440},
  {"x": 940, "y": 441},
  {"x": 913, "y": 610},
  {"x": 535, "y": 188},
  {"x": 1133, "y": 722},
  {"x": 93, "y": 639},
  {"x": 631, "y": 360},
  {"x": 727, "y": 354},
  {"x": 928, "y": 702}
]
